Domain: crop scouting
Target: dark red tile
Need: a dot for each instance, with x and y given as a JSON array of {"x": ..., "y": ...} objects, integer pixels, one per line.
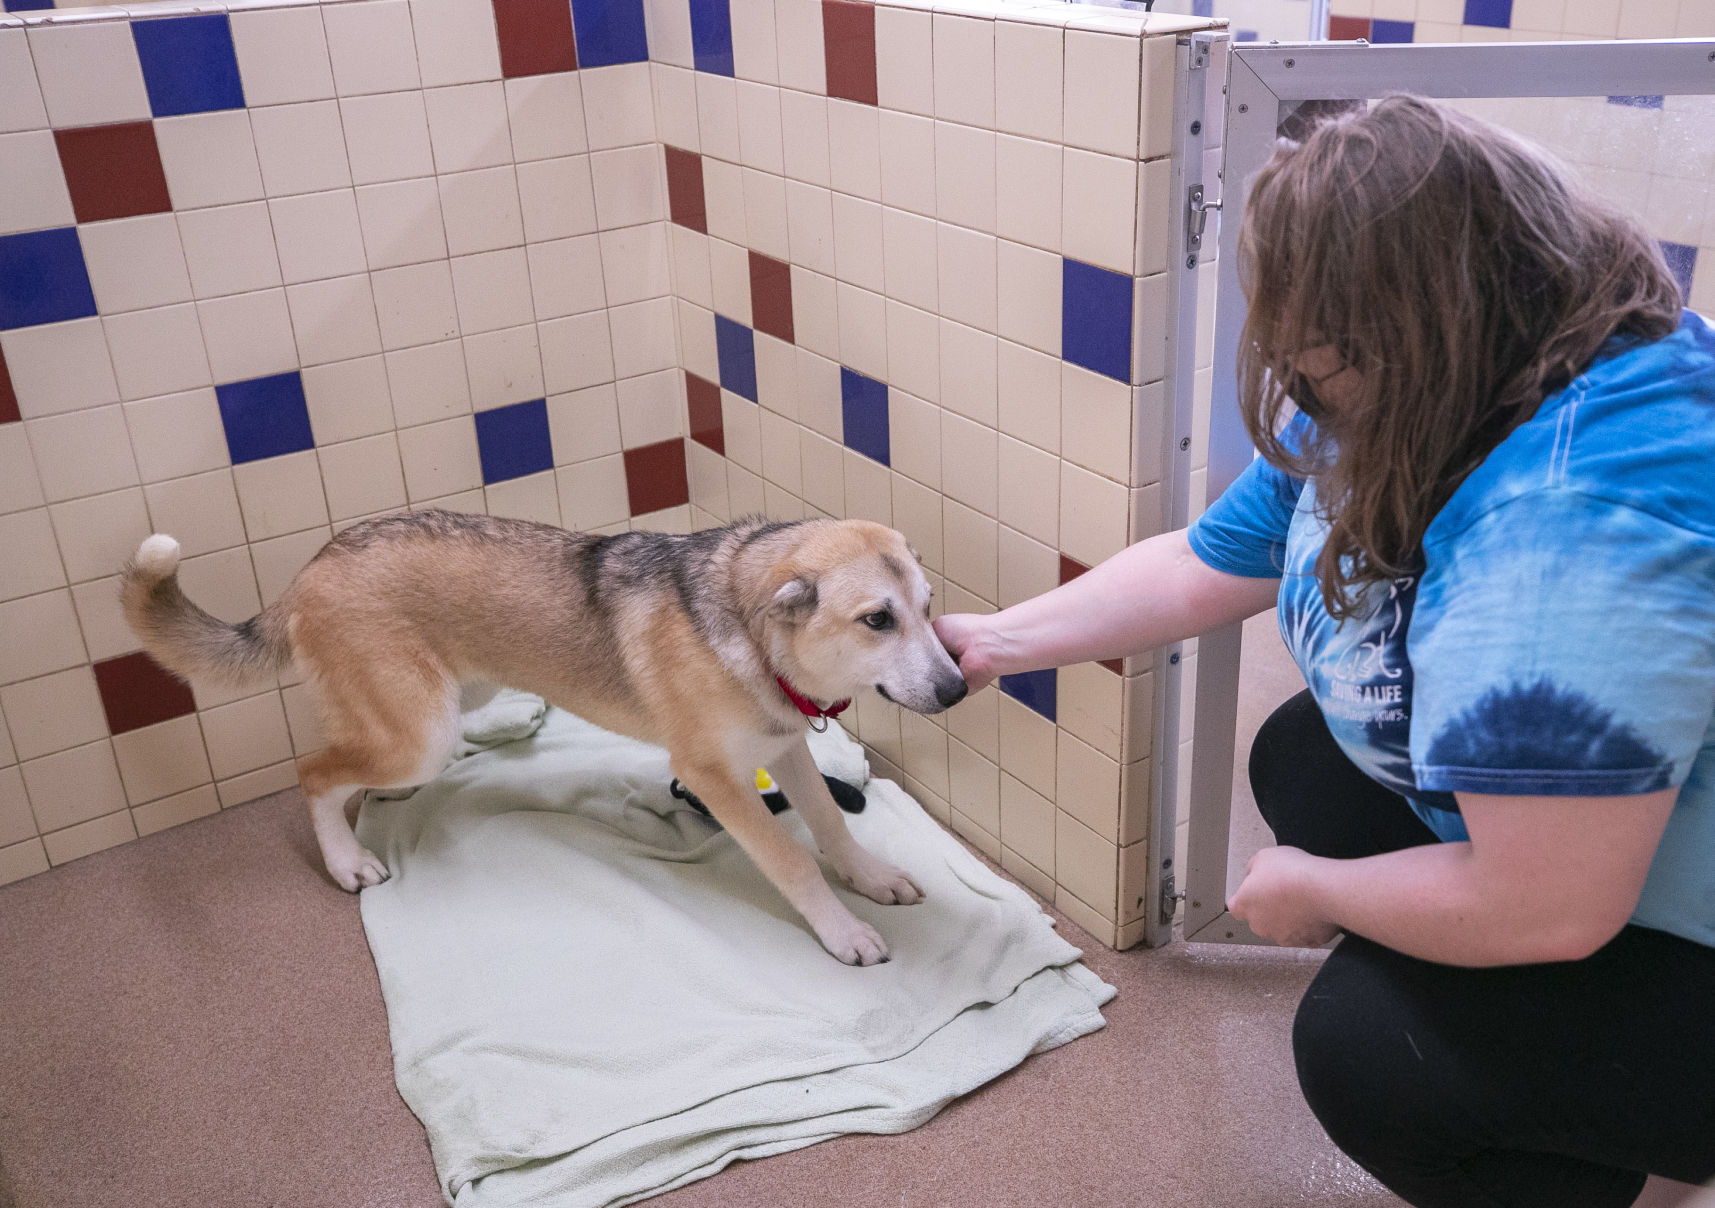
[
  {"x": 1071, "y": 568},
  {"x": 1347, "y": 29},
  {"x": 848, "y": 44},
  {"x": 113, "y": 171},
  {"x": 771, "y": 296},
  {"x": 655, "y": 477},
  {"x": 136, "y": 691},
  {"x": 535, "y": 37},
  {"x": 8, "y": 396},
  {"x": 703, "y": 399},
  {"x": 685, "y": 189}
]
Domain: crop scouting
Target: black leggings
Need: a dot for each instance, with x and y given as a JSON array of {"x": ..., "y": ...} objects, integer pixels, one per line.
[{"x": 1559, "y": 1085}]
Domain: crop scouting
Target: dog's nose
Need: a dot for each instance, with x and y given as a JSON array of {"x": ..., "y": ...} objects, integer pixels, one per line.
[{"x": 948, "y": 695}]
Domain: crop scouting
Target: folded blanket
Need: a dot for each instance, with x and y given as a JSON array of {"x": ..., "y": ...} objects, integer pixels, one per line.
[{"x": 594, "y": 996}]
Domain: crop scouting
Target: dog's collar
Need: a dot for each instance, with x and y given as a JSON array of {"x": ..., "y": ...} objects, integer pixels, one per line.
[{"x": 808, "y": 707}]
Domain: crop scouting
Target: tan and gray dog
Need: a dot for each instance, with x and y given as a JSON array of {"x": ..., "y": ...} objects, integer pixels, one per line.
[{"x": 691, "y": 642}]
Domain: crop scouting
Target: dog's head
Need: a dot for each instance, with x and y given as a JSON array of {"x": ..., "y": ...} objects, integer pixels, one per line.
[{"x": 852, "y": 613}]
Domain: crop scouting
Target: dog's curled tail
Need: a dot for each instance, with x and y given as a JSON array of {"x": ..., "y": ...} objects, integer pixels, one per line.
[{"x": 188, "y": 641}]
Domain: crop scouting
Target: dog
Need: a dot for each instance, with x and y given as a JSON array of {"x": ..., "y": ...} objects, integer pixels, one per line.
[{"x": 716, "y": 645}]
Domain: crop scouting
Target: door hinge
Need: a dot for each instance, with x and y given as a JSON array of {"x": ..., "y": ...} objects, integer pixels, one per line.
[
  {"x": 1170, "y": 897},
  {"x": 1197, "y": 209}
]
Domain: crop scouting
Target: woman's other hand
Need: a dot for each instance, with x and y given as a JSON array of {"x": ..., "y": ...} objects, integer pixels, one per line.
[
  {"x": 1277, "y": 899},
  {"x": 967, "y": 637}
]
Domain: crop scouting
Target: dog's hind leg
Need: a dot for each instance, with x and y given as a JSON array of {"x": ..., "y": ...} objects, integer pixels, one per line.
[
  {"x": 871, "y": 876},
  {"x": 783, "y": 860},
  {"x": 351, "y": 865}
]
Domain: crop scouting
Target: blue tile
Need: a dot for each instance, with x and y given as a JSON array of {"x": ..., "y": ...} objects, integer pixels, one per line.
[
  {"x": 1497, "y": 14},
  {"x": 513, "y": 441},
  {"x": 19, "y": 6},
  {"x": 1391, "y": 31},
  {"x": 1035, "y": 690},
  {"x": 711, "y": 36},
  {"x": 1247, "y": 35},
  {"x": 1204, "y": 8},
  {"x": 609, "y": 31},
  {"x": 736, "y": 345},
  {"x": 42, "y": 278},
  {"x": 1682, "y": 260},
  {"x": 188, "y": 64},
  {"x": 265, "y": 417},
  {"x": 1095, "y": 319},
  {"x": 863, "y": 409},
  {"x": 1638, "y": 102}
]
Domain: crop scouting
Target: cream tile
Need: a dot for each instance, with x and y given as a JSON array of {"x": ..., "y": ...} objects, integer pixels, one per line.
[
  {"x": 913, "y": 350},
  {"x": 157, "y": 351},
  {"x": 279, "y": 559},
  {"x": 427, "y": 383},
  {"x": 371, "y": 47},
  {"x": 651, "y": 408},
  {"x": 904, "y": 60},
  {"x": 923, "y": 752},
  {"x": 754, "y": 51},
  {"x": 854, "y": 142},
  {"x": 917, "y": 514},
  {"x": 468, "y": 126},
  {"x": 176, "y": 810},
  {"x": 59, "y": 367},
  {"x": 1088, "y": 700},
  {"x": 1088, "y": 783},
  {"x": 1029, "y": 287},
  {"x": 223, "y": 584},
  {"x": 98, "y": 533},
  {"x": 481, "y": 210},
  {"x": 967, "y": 285},
  {"x": 968, "y": 830},
  {"x": 210, "y": 159},
  {"x": 692, "y": 281},
  {"x": 1027, "y": 745},
  {"x": 1093, "y": 515},
  {"x": 908, "y": 170},
  {"x": 87, "y": 838},
  {"x": 20, "y": 486},
  {"x": 879, "y": 723},
  {"x": 402, "y": 222},
  {"x": 823, "y": 463},
  {"x": 73, "y": 786},
  {"x": 630, "y": 186},
  {"x": 246, "y": 735},
  {"x": 760, "y": 134},
  {"x": 1027, "y": 823},
  {"x": 301, "y": 149},
  {"x": 909, "y": 258},
  {"x": 362, "y": 476},
  {"x": 1027, "y": 874},
  {"x": 1086, "y": 865},
  {"x": 707, "y": 472},
  {"x": 1102, "y": 83},
  {"x": 804, "y": 137},
  {"x": 280, "y": 494},
  {"x": 17, "y": 823},
  {"x": 105, "y": 630},
  {"x": 965, "y": 176},
  {"x": 643, "y": 340},
  {"x": 259, "y": 783},
  {"x": 592, "y": 493},
  {"x": 133, "y": 262},
  {"x": 533, "y": 497},
  {"x": 776, "y": 375},
  {"x": 969, "y": 366},
  {"x": 975, "y": 721},
  {"x": 440, "y": 459},
  {"x": 584, "y": 424},
  {"x": 819, "y": 403},
  {"x": 387, "y": 137},
  {"x": 858, "y": 241},
  {"x": 512, "y": 365},
  {"x": 729, "y": 271},
  {"x": 914, "y": 432},
  {"x": 1149, "y": 341},
  {"x": 1028, "y": 396},
  {"x": 557, "y": 198},
  {"x": 89, "y": 73},
  {"x": 964, "y": 50},
  {"x": 21, "y": 105},
  {"x": 1099, "y": 202},
  {"x": 334, "y": 320},
  {"x": 38, "y": 196},
  {"x": 546, "y": 114},
  {"x": 348, "y": 399},
  {"x": 745, "y": 493},
  {"x": 1027, "y": 568},
  {"x": 22, "y": 860},
  {"x": 969, "y": 463},
  {"x": 619, "y": 108},
  {"x": 717, "y": 116},
  {"x": 1095, "y": 422},
  {"x": 162, "y": 759},
  {"x": 32, "y": 562},
  {"x": 863, "y": 331},
  {"x": 282, "y": 55},
  {"x": 798, "y": 36},
  {"x": 869, "y": 490},
  {"x": 1029, "y": 208},
  {"x": 54, "y": 712},
  {"x": 635, "y": 265},
  {"x": 972, "y": 550},
  {"x": 1029, "y": 59},
  {"x": 1154, "y": 217},
  {"x": 1029, "y": 490},
  {"x": 38, "y": 634}
]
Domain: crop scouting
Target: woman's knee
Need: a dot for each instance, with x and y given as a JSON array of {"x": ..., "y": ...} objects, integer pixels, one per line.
[{"x": 1284, "y": 759}]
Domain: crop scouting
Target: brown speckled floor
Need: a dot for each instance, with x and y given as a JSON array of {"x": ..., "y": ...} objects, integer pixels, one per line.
[{"x": 193, "y": 1019}]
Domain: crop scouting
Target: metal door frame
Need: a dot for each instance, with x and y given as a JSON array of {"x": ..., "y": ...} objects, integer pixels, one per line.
[{"x": 1264, "y": 84}]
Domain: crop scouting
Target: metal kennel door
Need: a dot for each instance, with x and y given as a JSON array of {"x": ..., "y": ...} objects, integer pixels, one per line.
[{"x": 1265, "y": 84}]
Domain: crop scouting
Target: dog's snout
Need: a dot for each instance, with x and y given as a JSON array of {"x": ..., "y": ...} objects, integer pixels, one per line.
[{"x": 950, "y": 693}]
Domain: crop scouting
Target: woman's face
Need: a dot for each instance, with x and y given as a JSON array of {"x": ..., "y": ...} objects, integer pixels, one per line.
[{"x": 1319, "y": 383}]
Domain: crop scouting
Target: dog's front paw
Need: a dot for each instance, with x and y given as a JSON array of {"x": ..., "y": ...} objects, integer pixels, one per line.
[
  {"x": 357, "y": 869},
  {"x": 877, "y": 880},
  {"x": 853, "y": 941}
]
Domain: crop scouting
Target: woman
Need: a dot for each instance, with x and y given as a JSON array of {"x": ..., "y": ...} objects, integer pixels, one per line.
[{"x": 1490, "y": 533}]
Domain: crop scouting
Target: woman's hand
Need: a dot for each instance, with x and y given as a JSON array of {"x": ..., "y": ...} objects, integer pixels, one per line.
[
  {"x": 966, "y": 635},
  {"x": 1277, "y": 900}
]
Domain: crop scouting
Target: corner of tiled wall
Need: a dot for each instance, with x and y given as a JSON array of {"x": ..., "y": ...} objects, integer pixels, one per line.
[{"x": 661, "y": 263}]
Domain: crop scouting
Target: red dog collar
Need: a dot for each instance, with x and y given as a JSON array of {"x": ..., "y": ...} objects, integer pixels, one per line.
[{"x": 808, "y": 707}]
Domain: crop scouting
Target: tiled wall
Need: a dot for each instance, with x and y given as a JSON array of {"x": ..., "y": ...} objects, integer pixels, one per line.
[
  {"x": 920, "y": 267},
  {"x": 269, "y": 272},
  {"x": 266, "y": 273}
]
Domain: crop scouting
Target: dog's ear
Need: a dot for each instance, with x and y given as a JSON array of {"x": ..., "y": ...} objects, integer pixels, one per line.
[
  {"x": 796, "y": 598},
  {"x": 912, "y": 550}
]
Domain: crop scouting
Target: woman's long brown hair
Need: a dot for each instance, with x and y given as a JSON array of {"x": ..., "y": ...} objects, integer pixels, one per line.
[{"x": 1462, "y": 274}]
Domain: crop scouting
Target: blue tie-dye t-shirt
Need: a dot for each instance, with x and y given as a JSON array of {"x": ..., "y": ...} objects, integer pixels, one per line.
[{"x": 1561, "y": 639}]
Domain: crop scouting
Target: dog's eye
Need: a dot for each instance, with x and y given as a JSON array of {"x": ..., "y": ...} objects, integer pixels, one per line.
[{"x": 880, "y": 619}]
